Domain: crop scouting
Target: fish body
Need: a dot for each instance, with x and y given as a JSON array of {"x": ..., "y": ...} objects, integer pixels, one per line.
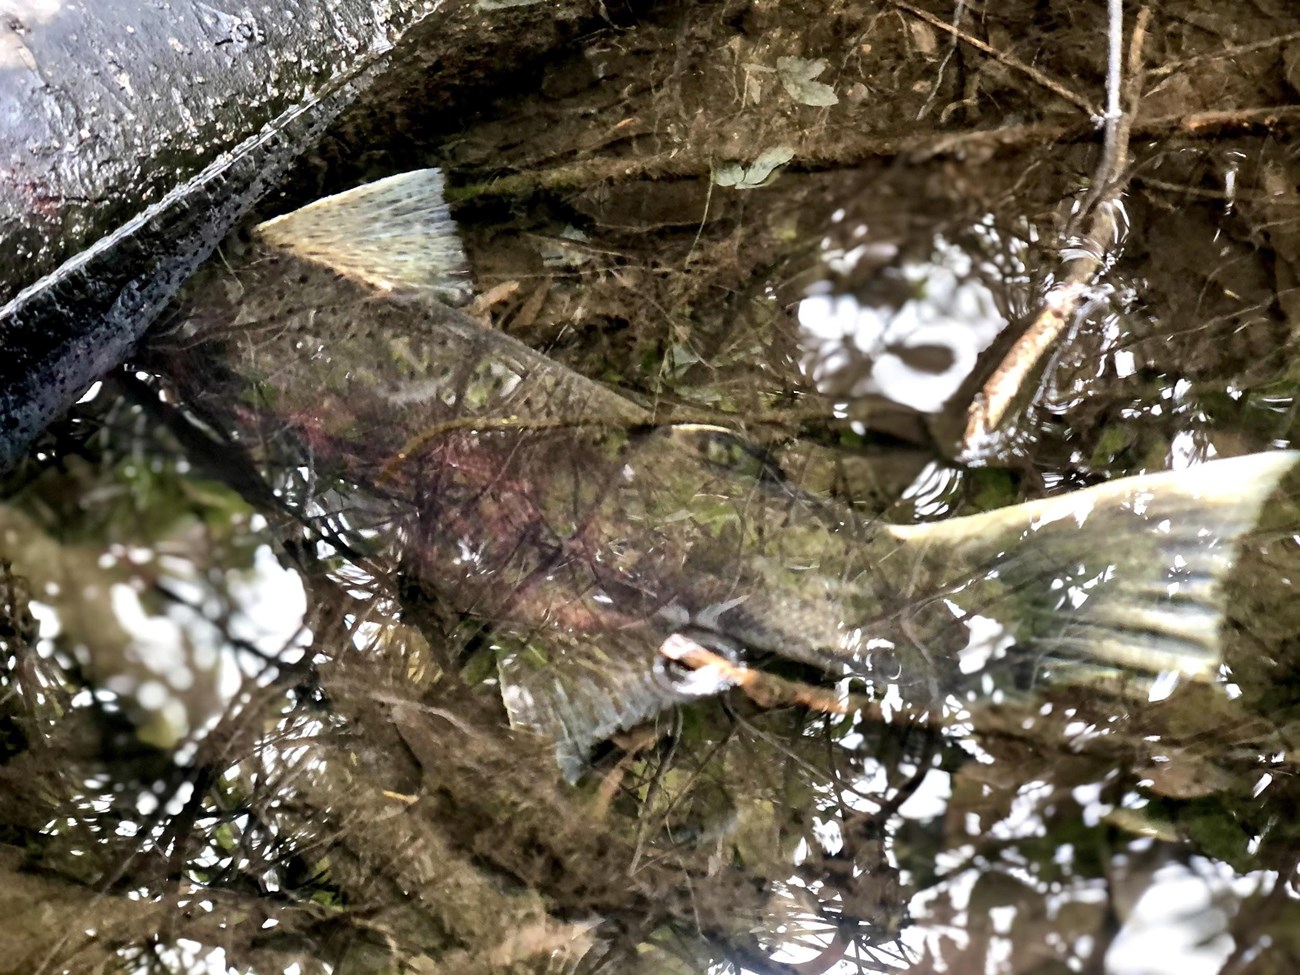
[{"x": 557, "y": 511}]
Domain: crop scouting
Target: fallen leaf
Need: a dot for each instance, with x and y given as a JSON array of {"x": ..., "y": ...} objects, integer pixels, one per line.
[{"x": 797, "y": 76}]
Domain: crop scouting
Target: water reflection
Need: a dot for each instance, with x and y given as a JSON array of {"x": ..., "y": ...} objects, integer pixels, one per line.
[
  {"x": 914, "y": 341},
  {"x": 344, "y": 793}
]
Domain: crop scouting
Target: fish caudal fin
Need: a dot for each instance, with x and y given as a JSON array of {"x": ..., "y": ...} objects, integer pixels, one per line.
[
  {"x": 395, "y": 234},
  {"x": 1126, "y": 574}
]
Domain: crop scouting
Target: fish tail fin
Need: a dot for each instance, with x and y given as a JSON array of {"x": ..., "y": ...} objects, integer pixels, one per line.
[
  {"x": 395, "y": 234},
  {"x": 1126, "y": 574}
]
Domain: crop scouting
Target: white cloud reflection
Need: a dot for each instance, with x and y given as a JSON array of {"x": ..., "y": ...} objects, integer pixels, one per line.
[{"x": 853, "y": 349}]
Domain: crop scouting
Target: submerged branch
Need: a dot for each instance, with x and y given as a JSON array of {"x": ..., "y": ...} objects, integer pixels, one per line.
[
  {"x": 1087, "y": 256},
  {"x": 687, "y": 163}
]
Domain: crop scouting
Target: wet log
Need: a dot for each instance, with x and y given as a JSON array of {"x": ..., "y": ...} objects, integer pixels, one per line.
[{"x": 133, "y": 137}]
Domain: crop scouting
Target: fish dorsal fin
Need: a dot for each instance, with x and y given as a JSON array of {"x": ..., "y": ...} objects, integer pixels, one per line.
[{"x": 395, "y": 234}]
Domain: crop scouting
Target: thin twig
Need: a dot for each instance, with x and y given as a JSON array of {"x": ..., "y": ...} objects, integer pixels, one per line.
[
  {"x": 528, "y": 424},
  {"x": 704, "y": 219},
  {"x": 958, "y": 10},
  {"x": 1201, "y": 193},
  {"x": 1010, "y": 60},
  {"x": 1226, "y": 53}
]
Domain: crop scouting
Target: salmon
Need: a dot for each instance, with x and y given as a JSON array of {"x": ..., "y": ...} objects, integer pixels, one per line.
[{"x": 586, "y": 534}]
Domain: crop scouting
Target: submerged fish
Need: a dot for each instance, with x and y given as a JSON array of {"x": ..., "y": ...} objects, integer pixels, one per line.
[{"x": 590, "y": 537}]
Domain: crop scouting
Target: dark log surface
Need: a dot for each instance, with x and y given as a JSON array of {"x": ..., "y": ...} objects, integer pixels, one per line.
[{"x": 135, "y": 136}]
